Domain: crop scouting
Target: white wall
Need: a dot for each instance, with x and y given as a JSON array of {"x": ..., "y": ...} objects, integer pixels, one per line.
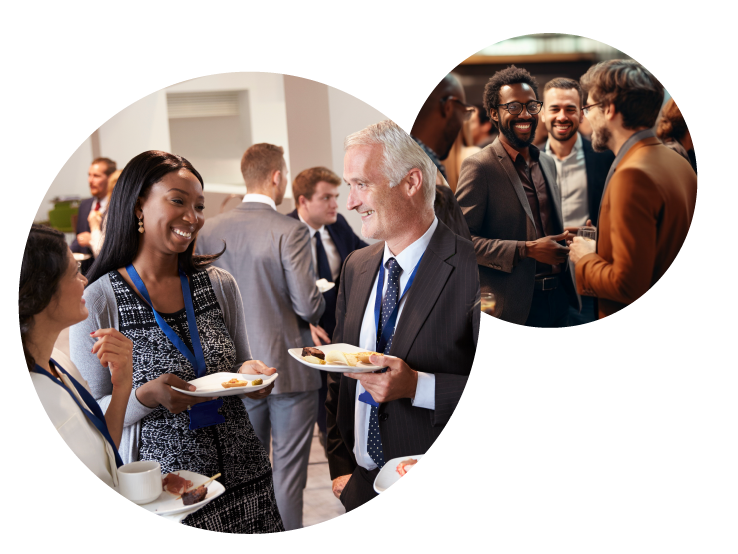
[
  {"x": 144, "y": 125},
  {"x": 348, "y": 114},
  {"x": 266, "y": 98},
  {"x": 71, "y": 179}
]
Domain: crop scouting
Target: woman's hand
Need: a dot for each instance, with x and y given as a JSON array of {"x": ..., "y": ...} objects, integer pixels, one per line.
[
  {"x": 160, "y": 391},
  {"x": 257, "y": 366},
  {"x": 115, "y": 351},
  {"x": 95, "y": 220}
]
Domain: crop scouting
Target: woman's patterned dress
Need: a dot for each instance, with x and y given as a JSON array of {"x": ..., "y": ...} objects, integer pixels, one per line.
[{"x": 230, "y": 448}]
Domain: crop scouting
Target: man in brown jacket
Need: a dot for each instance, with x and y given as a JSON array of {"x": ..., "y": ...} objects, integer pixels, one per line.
[{"x": 650, "y": 192}]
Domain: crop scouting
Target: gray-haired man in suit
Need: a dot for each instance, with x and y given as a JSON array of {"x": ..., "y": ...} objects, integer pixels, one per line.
[
  {"x": 512, "y": 204},
  {"x": 414, "y": 297},
  {"x": 269, "y": 255}
]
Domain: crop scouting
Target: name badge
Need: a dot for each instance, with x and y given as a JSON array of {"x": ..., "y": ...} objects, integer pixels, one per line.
[{"x": 206, "y": 414}]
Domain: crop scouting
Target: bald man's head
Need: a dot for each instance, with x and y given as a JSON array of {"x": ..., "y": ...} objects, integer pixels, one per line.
[{"x": 442, "y": 116}]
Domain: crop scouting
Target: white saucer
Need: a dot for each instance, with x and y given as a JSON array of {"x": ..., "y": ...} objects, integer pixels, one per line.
[{"x": 168, "y": 504}]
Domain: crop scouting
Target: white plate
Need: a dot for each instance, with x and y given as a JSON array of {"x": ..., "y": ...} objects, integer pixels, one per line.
[
  {"x": 168, "y": 504},
  {"x": 324, "y": 285},
  {"x": 210, "y": 385},
  {"x": 296, "y": 353},
  {"x": 388, "y": 475}
]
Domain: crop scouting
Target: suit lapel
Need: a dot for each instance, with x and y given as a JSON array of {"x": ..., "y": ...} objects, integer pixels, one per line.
[
  {"x": 361, "y": 289},
  {"x": 430, "y": 280},
  {"x": 512, "y": 175},
  {"x": 548, "y": 167}
]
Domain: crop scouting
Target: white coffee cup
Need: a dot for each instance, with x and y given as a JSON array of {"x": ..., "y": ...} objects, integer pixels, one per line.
[{"x": 140, "y": 482}]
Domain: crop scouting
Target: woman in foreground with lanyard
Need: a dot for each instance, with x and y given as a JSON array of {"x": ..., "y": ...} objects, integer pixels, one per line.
[
  {"x": 49, "y": 301},
  {"x": 185, "y": 319}
]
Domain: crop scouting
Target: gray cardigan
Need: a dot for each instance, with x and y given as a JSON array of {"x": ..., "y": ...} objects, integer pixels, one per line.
[{"x": 103, "y": 308}]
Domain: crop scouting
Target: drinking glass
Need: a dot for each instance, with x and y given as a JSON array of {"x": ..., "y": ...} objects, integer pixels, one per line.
[
  {"x": 488, "y": 303},
  {"x": 587, "y": 233}
]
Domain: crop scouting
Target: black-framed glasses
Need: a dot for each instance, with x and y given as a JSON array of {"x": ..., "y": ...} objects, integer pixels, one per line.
[
  {"x": 585, "y": 109},
  {"x": 515, "y": 108},
  {"x": 468, "y": 110}
]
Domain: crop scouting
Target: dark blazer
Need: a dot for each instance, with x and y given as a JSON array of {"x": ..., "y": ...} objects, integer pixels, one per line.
[
  {"x": 83, "y": 225},
  {"x": 346, "y": 241},
  {"x": 496, "y": 209},
  {"x": 436, "y": 333},
  {"x": 447, "y": 210},
  {"x": 597, "y": 165}
]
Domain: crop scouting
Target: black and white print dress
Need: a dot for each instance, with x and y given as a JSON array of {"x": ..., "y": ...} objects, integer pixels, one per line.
[{"x": 230, "y": 448}]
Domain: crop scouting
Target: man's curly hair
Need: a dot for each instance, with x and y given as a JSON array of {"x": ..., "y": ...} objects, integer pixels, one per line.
[{"x": 509, "y": 76}]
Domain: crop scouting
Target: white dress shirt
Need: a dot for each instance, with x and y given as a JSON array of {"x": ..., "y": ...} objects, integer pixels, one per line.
[
  {"x": 263, "y": 198},
  {"x": 571, "y": 176},
  {"x": 331, "y": 252},
  {"x": 425, "y": 393}
]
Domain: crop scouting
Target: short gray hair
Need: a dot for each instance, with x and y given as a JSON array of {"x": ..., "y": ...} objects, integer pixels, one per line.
[{"x": 401, "y": 154}]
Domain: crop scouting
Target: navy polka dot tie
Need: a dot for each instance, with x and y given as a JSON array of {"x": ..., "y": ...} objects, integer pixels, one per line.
[{"x": 374, "y": 441}]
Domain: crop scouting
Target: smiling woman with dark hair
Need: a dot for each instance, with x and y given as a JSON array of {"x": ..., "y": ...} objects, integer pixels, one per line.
[
  {"x": 186, "y": 321},
  {"x": 49, "y": 301}
]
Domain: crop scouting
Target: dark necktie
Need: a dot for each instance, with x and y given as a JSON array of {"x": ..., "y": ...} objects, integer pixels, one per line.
[
  {"x": 324, "y": 268},
  {"x": 97, "y": 206},
  {"x": 374, "y": 441}
]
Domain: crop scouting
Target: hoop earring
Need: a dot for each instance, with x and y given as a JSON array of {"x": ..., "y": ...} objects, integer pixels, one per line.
[{"x": 140, "y": 225}]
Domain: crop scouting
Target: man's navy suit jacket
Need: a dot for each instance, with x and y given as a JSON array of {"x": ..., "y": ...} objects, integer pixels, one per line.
[{"x": 346, "y": 241}]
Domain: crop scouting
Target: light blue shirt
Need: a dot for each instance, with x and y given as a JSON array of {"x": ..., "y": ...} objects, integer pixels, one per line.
[{"x": 425, "y": 392}]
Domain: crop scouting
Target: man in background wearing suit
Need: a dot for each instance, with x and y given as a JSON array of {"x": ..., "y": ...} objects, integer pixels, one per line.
[
  {"x": 580, "y": 171},
  {"x": 439, "y": 122},
  {"x": 97, "y": 178},
  {"x": 331, "y": 240},
  {"x": 650, "y": 191},
  {"x": 269, "y": 255},
  {"x": 415, "y": 296},
  {"x": 511, "y": 201}
]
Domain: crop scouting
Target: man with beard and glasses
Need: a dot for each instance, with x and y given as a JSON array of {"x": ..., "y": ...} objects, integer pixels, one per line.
[
  {"x": 435, "y": 129},
  {"x": 580, "y": 171},
  {"x": 512, "y": 204},
  {"x": 650, "y": 190}
]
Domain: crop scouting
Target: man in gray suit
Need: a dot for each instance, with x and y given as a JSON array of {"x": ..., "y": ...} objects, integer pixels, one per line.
[
  {"x": 512, "y": 204},
  {"x": 269, "y": 255}
]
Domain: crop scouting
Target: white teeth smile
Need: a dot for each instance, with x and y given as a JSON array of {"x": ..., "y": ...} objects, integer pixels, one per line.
[
  {"x": 523, "y": 126},
  {"x": 370, "y": 212},
  {"x": 183, "y": 233}
]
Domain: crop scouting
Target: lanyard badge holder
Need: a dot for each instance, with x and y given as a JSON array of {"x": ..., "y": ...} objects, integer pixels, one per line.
[
  {"x": 203, "y": 414},
  {"x": 388, "y": 330}
]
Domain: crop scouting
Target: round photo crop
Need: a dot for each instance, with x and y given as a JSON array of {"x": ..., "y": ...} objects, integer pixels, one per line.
[{"x": 574, "y": 170}]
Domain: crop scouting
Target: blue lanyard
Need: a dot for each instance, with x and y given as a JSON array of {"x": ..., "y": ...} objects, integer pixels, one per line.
[
  {"x": 389, "y": 327},
  {"x": 92, "y": 409},
  {"x": 197, "y": 360}
]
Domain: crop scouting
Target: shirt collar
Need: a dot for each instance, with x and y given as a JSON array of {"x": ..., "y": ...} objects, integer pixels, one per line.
[
  {"x": 263, "y": 198},
  {"x": 577, "y": 146},
  {"x": 409, "y": 257},
  {"x": 628, "y": 144},
  {"x": 313, "y": 230},
  {"x": 514, "y": 153}
]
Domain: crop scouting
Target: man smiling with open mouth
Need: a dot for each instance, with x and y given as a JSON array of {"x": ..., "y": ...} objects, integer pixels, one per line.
[{"x": 512, "y": 204}]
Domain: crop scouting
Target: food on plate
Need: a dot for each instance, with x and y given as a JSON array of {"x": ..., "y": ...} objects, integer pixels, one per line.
[
  {"x": 194, "y": 496},
  {"x": 404, "y": 466},
  {"x": 363, "y": 357},
  {"x": 346, "y": 358},
  {"x": 175, "y": 484},
  {"x": 313, "y": 360},
  {"x": 257, "y": 382},
  {"x": 236, "y": 383},
  {"x": 310, "y": 351}
]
